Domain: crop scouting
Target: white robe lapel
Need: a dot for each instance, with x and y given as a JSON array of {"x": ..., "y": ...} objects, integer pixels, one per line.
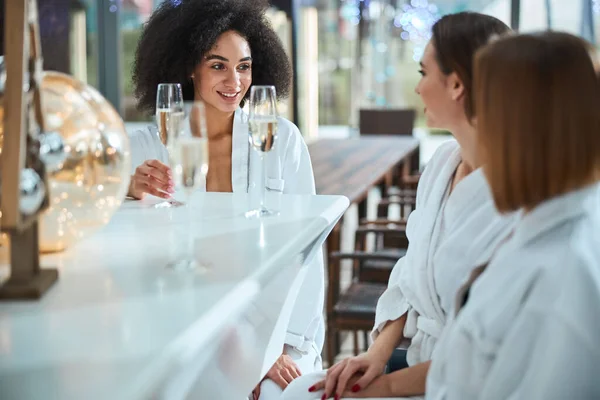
[
  {"x": 473, "y": 230},
  {"x": 420, "y": 292},
  {"x": 468, "y": 191}
]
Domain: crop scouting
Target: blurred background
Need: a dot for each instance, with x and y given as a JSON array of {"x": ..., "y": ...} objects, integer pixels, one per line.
[{"x": 348, "y": 54}]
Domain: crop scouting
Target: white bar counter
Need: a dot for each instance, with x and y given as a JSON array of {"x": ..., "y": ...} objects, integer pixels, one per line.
[{"x": 120, "y": 325}]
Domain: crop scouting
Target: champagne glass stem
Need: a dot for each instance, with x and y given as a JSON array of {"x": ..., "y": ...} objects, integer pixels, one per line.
[
  {"x": 190, "y": 226},
  {"x": 263, "y": 182}
]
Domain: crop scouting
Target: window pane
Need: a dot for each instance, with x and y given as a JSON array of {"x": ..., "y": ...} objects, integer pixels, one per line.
[
  {"x": 134, "y": 13},
  {"x": 83, "y": 41}
]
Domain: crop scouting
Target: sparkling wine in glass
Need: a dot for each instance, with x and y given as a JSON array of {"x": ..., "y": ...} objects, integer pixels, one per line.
[
  {"x": 191, "y": 163},
  {"x": 263, "y": 132},
  {"x": 190, "y": 160},
  {"x": 262, "y": 121},
  {"x": 169, "y": 119},
  {"x": 170, "y": 123}
]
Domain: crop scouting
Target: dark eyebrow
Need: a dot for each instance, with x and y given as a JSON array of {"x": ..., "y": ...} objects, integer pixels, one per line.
[
  {"x": 216, "y": 57},
  {"x": 221, "y": 58}
]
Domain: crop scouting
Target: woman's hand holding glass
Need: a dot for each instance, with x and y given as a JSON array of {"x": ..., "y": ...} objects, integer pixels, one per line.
[{"x": 152, "y": 177}]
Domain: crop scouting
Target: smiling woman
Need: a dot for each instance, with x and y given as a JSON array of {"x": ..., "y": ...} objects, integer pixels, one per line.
[
  {"x": 181, "y": 34},
  {"x": 224, "y": 75},
  {"x": 216, "y": 50}
]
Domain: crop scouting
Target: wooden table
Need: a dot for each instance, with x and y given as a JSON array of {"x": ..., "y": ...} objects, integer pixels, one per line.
[{"x": 351, "y": 167}]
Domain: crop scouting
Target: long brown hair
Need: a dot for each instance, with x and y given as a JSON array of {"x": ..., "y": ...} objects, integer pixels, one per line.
[
  {"x": 456, "y": 38},
  {"x": 537, "y": 99}
]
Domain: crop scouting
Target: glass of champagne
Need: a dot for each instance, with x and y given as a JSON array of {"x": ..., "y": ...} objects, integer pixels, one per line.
[
  {"x": 190, "y": 166},
  {"x": 169, "y": 119},
  {"x": 262, "y": 121}
]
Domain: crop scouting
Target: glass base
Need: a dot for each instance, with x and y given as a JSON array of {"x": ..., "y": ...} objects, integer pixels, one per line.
[
  {"x": 261, "y": 213},
  {"x": 169, "y": 204},
  {"x": 188, "y": 265}
]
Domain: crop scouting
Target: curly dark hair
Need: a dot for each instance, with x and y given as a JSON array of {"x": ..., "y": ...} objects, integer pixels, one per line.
[{"x": 180, "y": 32}]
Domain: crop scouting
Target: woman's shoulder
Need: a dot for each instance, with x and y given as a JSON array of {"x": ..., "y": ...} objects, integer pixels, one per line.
[
  {"x": 289, "y": 137},
  {"x": 445, "y": 152},
  {"x": 287, "y": 128}
]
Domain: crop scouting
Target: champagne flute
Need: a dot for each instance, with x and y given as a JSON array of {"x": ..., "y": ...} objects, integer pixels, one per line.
[
  {"x": 169, "y": 119},
  {"x": 190, "y": 164},
  {"x": 262, "y": 121}
]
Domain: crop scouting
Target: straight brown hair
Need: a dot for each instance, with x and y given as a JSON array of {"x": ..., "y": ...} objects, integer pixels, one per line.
[
  {"x": 456, "y": 38},
  {"x": 537, "y": 99}
]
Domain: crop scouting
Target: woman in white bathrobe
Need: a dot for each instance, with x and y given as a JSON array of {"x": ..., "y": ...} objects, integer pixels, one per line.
[
  {"x": 217, "y": 49},
  {"x": 453, "y": 228},
  {"x": 528, "y": 326}
]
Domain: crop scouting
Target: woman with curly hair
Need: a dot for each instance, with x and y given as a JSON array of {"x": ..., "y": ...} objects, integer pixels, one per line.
[{"x": 216, "y": 50}]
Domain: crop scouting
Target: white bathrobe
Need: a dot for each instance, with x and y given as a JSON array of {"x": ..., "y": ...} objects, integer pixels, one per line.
[
  {"x": 529, "y": 329},
  {"x": 289, "y": 170},
  {"x": 448, "y": 236}
]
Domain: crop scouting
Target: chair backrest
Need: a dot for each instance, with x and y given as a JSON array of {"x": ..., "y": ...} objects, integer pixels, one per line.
[{"x": 387, "y": 121}]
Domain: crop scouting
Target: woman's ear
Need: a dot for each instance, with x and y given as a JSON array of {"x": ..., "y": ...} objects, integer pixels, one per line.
[{"x": 456, "y": 87}]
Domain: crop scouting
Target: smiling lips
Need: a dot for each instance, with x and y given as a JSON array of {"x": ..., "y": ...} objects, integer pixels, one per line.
[{"x": 229, "y": 96}]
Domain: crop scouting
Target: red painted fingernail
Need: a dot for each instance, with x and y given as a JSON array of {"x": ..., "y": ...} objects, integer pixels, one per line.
[
  {"x": 323, "y": 397},
  {"x": 355, "y": 388},
  {"x": 337, "y": 397},
  {"x": 311, "y": 389}
]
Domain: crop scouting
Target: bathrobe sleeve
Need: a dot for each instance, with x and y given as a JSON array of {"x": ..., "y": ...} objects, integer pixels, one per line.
[
  {"x": 551, "y": 350},
  {"x": 393, "y": 303}
]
